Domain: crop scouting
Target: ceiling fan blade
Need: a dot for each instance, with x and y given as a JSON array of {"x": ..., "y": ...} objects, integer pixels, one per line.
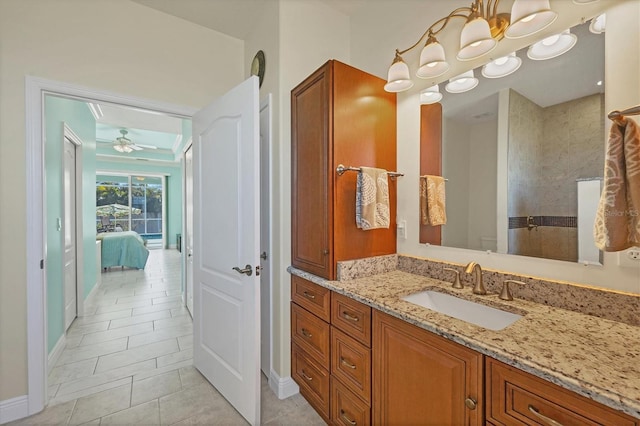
[
  {"x": 136, "y": 147},
  {"x": 146, "y": 146}
]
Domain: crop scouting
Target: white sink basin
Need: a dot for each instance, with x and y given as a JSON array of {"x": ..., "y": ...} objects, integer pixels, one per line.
[{"x": 465, "y": 310}]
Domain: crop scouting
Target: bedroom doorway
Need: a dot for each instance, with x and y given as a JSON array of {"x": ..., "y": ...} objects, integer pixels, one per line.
[{"x": 38, "y": 226}]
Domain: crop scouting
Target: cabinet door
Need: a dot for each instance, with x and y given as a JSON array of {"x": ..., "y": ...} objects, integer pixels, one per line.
[
  {"x": 311, "y": 184},
  {"x": 422, "y": 378}
]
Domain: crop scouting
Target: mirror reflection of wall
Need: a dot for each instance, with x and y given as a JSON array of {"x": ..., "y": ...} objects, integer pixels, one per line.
[
  {"x": 550, "y": 150},
  {"x": 554, "y": 113}
]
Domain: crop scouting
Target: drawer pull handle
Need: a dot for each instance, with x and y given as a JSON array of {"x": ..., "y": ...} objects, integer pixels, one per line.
[
  {"x": 346, "y": 315},
  {"x": 542, "y": 417},
  {"x": 347, "y": 419},
  {"x": 309, "y": 295},
  {"x": 347, "y": 363},
  {"x": 306, "y": 333},
  {"x": 307, "y": 378}
]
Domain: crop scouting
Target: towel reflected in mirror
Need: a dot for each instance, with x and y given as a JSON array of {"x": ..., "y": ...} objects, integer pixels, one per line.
[{"x": 432, "y": 200}]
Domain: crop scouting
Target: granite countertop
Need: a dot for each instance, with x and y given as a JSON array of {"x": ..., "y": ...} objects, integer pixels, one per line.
[{"x": 594, "y": 357}]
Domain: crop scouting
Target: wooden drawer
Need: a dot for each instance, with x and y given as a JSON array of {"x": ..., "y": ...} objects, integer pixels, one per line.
[
  {"x": 311, "y": 334},
  {"x": 312, "y": 379},
  {"x": 352, "y": 317},
  {"x": 346, "y": 408},
  {"x": 312, "y": 297},
  {"x": 351, "y": 363},
  {"x": 515, "y": 397}
]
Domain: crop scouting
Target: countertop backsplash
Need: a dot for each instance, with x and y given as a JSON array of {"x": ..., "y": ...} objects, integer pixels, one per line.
[{"x": 612, "y": 305}]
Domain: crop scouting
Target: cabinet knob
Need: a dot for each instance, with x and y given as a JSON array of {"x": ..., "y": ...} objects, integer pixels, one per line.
[
  {"x": 470, "y": 403},
  {"x": 325, "y": 252}
]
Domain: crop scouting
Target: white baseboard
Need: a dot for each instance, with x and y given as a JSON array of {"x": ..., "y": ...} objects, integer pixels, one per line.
[
  {"x": 14, "y": 409},
  {"x": 283, "y": 387},
  {"x": 55, "y": 353},
  {"x": 93, "y": 292}
]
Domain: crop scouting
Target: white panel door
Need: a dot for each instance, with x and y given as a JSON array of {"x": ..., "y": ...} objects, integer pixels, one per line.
[
  {"x": 69, "y": 232},
  {"x": 187, "y": 240},
  {"x": 226, "y": 247}
]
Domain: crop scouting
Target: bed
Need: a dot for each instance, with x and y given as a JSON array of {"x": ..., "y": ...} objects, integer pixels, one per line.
[{"x": 123, "y": 249}]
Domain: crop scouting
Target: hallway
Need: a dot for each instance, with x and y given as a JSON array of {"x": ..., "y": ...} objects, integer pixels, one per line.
[{"x": 129, "y": 361}]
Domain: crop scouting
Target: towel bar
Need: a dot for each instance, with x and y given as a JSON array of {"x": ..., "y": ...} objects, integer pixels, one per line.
[
  {"x": 341, "y": 169},
  {"x": 619, "y": 116}
]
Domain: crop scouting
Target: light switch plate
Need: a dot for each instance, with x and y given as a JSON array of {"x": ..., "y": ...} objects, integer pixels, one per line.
[{"x": 402, "y": 229}]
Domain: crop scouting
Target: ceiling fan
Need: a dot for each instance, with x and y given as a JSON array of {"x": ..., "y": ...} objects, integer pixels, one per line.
[{"x": 125, "y": 145}]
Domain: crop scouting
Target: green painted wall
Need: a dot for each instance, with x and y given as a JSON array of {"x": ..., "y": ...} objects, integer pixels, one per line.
[
  {"x": 173, "y": 189},
  {"x": 79, "y": 119}
]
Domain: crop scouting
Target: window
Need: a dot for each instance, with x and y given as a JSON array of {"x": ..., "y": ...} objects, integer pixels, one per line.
[{"x": 130, "y": 202}]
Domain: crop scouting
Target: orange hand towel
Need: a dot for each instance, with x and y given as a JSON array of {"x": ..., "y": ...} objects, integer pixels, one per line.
[
  {"x": 617, "y": 225},
  {"x": 432, "y": 200}
]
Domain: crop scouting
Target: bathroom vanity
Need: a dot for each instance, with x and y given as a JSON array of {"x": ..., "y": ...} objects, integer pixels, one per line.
[{"x": 363, "y": 355}]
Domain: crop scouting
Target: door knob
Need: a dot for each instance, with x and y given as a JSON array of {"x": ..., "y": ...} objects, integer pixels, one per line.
[{"x": 246, "y": 270}]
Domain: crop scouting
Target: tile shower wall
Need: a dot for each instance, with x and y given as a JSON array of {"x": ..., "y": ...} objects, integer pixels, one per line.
[{"x": 549, "y": 148}]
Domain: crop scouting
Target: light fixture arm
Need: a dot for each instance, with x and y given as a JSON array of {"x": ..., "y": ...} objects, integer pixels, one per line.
[
  {"x": 477, "y": 7},
  {"x": 430, "y": 31}
]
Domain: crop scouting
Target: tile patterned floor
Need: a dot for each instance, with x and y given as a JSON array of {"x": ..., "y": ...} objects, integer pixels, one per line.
[{"x": 128, "y": 361}]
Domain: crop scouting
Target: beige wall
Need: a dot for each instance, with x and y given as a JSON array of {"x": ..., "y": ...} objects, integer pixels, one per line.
[
  {"x": 155, "y": 56},
  {"x": 310, "y": 34}
]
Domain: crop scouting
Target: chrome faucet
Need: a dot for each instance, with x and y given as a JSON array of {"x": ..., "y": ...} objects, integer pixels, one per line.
[{"x": 478, "y": 287}]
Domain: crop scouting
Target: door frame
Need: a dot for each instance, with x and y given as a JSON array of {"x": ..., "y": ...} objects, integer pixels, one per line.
[
  {"x": 35, "y": 90},
  {"x": 187, "y": 146},
  {"x": 68, "y": 133},
  {"x": 266, "y": 104}
]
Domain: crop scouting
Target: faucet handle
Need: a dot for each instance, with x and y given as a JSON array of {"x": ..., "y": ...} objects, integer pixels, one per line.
[
  {"x": 456, "y": 281},
  {"x": 505, "y": 294}
]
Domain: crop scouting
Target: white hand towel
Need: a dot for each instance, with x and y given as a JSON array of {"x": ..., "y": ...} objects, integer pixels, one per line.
[
  {"x": 617, "y": 225},
  {"x": 372, "y": 199}
]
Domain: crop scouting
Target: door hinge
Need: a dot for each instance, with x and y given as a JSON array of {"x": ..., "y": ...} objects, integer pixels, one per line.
[{"x": 41, "y": 263}]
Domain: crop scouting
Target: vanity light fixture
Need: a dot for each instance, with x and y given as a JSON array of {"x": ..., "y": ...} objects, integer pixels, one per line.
[
  {"x": 552, "y": 46},
  {"x": 462, "y": 83},
  {"x": 502, "y": 67},
  {"x": 484, "y": 27},
  {"x": 430, "y": 95},
  {"x": 398, "y": 78},
  {"x": 598, "y": 24}
]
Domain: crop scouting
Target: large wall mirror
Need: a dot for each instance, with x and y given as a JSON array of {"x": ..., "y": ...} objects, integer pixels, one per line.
[{"x": 523, "y": 156}]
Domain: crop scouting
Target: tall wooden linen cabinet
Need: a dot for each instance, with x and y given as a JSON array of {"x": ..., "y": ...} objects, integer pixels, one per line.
[{"x": 339, "y": 115}]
